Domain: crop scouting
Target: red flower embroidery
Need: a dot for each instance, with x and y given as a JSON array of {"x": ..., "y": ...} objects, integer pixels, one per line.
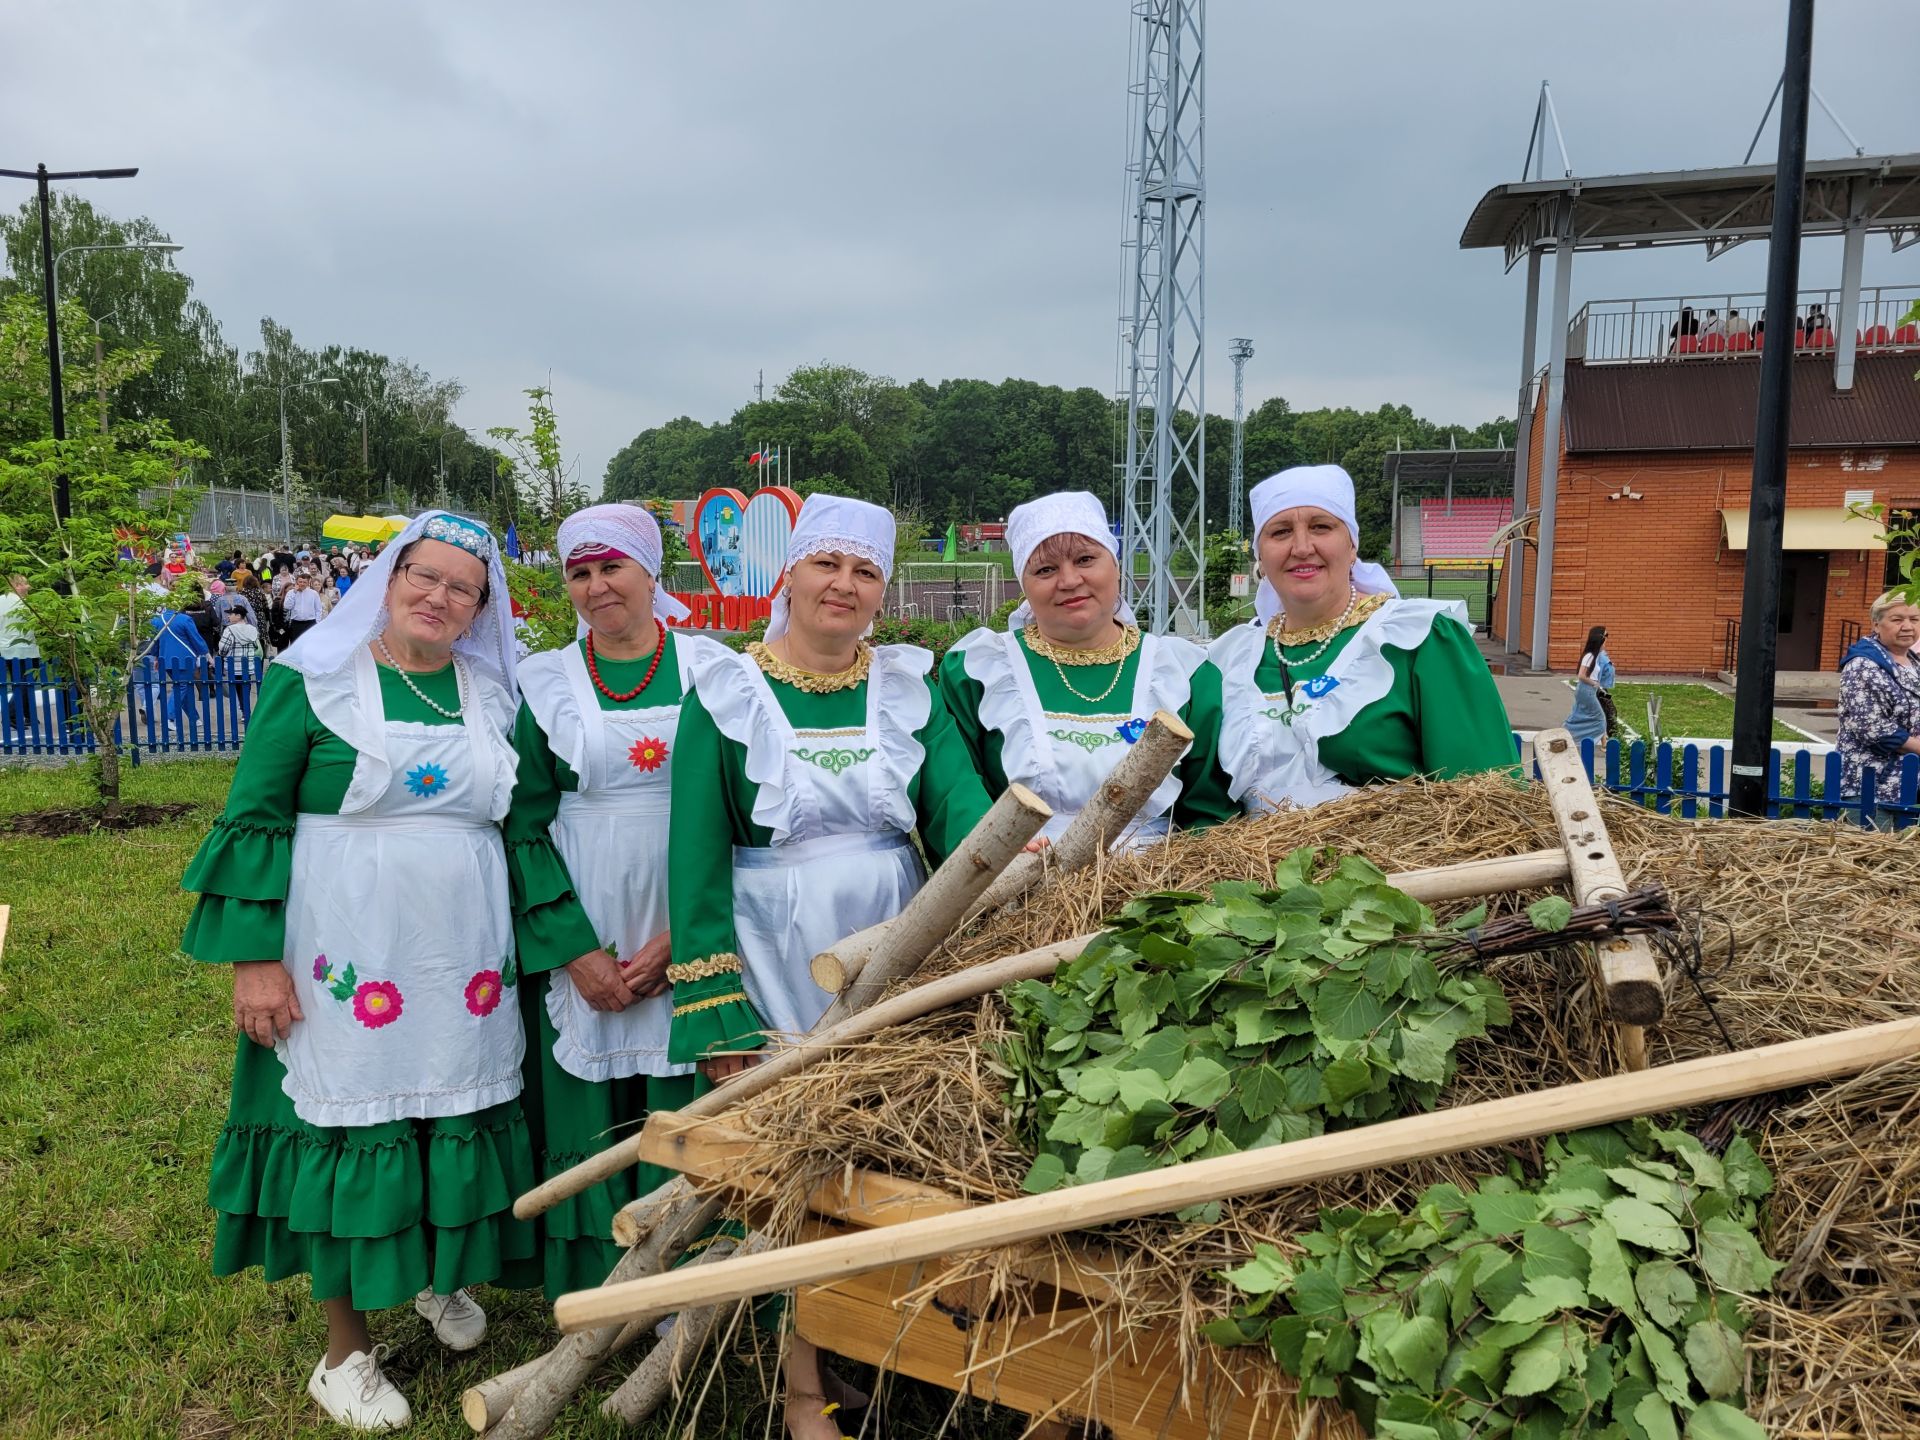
[
  {"x": 376, "y": 1003},
  {"x": 483, "y": 992},
  {"x": 648, "y": 753}
]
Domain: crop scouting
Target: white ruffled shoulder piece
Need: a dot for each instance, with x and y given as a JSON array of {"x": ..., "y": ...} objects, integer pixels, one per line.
[
  {"x": 347, "y": 701},
  {"x": 549, "y": 692},
  {"x": 988, "y": 657},
  {"x": 492, "y": 711},
  {"x": 735, "y": 694},
  {"x": 901, "y": 702}
]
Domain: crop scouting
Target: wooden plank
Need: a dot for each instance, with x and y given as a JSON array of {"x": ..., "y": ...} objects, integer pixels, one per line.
[
  {"x": 1464, "y": 1127},
  {"x": 6, "y": 913}
]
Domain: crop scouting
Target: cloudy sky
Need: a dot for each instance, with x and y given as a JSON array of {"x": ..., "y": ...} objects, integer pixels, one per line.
[{"x": 654, "y": 202}]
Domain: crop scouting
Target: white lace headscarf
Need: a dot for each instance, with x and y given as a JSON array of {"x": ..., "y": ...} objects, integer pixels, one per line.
[
  {"x": 1326, "y": 487},
  {"x": 627, "y": 530},
  {"x": 1071, "y": 512},
  {"x": 361, "y": 613},
  {"x": 834, "y": 524}
]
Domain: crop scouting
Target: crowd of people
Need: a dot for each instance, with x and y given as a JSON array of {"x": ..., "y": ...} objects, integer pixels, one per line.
[{"x": 484, "y": 914}]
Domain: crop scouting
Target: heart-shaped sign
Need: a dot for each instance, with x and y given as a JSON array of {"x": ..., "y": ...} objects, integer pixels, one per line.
[{"x": 741, "y": 541}]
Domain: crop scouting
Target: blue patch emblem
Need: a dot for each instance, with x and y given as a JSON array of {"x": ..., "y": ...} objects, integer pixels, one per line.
[
  {"x": 1320, "y": 685},
  {"x": 1131, "y": 731}
]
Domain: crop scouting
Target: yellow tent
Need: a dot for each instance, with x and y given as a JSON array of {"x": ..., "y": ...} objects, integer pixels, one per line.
[{"x": 360, "y": 529}]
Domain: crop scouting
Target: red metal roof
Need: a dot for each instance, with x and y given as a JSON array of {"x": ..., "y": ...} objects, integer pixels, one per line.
[{"x": 1711, "y": 405}]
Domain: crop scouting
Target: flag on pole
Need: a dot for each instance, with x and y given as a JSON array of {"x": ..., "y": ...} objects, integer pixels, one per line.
[
  {"x": 952, "y": 549},
  {"x": 513, "y": 541}
]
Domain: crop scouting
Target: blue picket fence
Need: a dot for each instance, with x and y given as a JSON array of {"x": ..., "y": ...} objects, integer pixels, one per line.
[
  {"x": 172, "y": 708},
  {"x": 182, "y": 709}
]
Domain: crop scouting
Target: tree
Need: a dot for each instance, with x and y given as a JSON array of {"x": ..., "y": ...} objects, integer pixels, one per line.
[
  {"x": 540, "y": 477},
  {"x": 87, "y": 606}
]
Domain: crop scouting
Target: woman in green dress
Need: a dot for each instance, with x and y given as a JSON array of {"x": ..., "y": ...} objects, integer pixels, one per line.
[
  {"x": 804, "y": 768},
  {"x": 1055, "y": 700},
  {"x": 1339, "y": 682},
  {"x": 598, "y": 744},
  {"x": 358, "y": 886}
]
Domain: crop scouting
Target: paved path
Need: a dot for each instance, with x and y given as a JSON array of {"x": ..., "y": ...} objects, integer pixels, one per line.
[{"x": 1537, "y": 702}]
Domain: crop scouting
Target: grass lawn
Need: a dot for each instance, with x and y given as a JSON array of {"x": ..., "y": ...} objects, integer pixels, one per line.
[
  {"x": 115, "y": 1053},
  {"x": 1692, "y": 710}
]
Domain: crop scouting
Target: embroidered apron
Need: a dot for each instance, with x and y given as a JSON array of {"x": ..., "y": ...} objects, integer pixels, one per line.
[
  {"x": 1270, "y": 743},
  {"x": 1065, "y": 758},
  {"x": 612, "y": 832},
  {"x": 400, "y": 942},
  {"x": 840, "y": 870}
]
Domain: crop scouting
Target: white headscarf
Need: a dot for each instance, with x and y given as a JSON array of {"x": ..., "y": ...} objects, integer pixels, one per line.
[
  {"x": 1328, "y": 488},
  {"x": 1071, "y": 512},
  {"x": 834, "y": 524},
  {"x": 362, "y": 611},
  {"x": 632, "y": 531}
]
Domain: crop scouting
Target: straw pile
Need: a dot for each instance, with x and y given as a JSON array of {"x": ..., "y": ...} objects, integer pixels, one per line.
[{"x": 1816, "y": 930}]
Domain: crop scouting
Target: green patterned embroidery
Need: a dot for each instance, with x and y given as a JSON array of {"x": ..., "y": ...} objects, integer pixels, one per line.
[
  {"x": 1088, "y": 740},
  {"x": 834, "y": 762},
  {"x": 1290, "y": 714}
]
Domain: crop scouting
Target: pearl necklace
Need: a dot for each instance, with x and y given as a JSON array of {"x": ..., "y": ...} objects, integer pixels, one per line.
[
  {"x": 459, "y": 682},
  {"x": 1279, "y": 628},
  {"x": 1115, "y": 655}
]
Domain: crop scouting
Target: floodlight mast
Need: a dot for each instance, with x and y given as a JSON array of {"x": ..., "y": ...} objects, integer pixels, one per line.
[
  {"x": 1238, "y": 351},
  {"x": 1164, "y": 335}
]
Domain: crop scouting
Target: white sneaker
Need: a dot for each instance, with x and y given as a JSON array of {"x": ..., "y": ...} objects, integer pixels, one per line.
[
  {"x": 357, "y": 1393},
  {"x": 458, "y": 1323}
]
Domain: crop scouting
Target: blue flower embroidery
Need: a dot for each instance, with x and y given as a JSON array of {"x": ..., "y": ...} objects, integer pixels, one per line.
[
  {"x": 1319, "y": 686},
  {"x": 1132, "y": 730},
  {"x": 426, "y": 780}
]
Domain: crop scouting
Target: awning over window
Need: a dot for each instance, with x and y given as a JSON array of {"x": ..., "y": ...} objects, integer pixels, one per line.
[{"x": 1811, "y": 528}]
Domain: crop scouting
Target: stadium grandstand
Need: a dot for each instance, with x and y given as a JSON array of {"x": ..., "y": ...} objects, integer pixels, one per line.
[{"x": 1448, "y": 505}]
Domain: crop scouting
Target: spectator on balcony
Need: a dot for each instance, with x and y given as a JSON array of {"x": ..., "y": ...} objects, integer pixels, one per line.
[
  {"x": 1736, "y": 325},
  {"x": 1712, "y": 325},
  {"x": 1592, "y": 717},
  {"x": 1685, "y": 325},
  {"x": 1880, "y": 694},
  {"x": 1816, "y": 320}
]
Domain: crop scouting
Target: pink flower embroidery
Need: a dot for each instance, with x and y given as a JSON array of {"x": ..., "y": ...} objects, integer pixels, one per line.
[
  {"x": 376, "y": 1003},
  {"x": 483, "y": 992},
  {"x": 320, "y": 969}
]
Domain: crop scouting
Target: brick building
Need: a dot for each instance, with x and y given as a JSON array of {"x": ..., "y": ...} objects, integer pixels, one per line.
[{"x": 1655, "y": 466}]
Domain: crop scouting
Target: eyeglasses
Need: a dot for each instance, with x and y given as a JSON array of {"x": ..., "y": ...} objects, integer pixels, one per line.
[{"x": 426, "y": 580}]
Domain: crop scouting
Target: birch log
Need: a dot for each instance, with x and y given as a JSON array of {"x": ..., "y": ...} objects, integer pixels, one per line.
[
  {"x": 483, "y": 1406},
  {"x": 1106, "y": 816},
  {"x": 659, "y": 1374},
  {"x": 1629, "y": 974},
  {"x": 1345, "y": 1153},
  {"x": 903, "y": 943}
]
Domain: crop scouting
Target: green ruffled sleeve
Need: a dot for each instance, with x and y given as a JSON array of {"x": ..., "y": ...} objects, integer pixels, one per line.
[
  {"x": 948, "y": 795},
  {"x": 550, "y": 925},
  {"x": 1203, "y": 782},
  {"x": 711, "y": 1011},
  {"x": 963, "y": 695},
  {"x": 244, "y": 866},
  {"x": 1464, "y": 728}
]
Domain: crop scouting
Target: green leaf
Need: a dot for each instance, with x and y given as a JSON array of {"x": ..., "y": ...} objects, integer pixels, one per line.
[
  {"x": 1715, "y": 1421},
  {"x": 1733, "y": 1259},
  {"x": 1347, "y": 1078},
  {"x": 1602, "y": 1144},
  {"x": 1543, "y": 1297},
  {"x": 1470, "y": 919},
  {"x": 1316, "y": 1293},
  {"x": 1551, "y": 913},
  {"x": 1539, "y": 1364},
  {"x": 1666, "y": 1289},
  {"x": 1655, "y": 1416},
  {"x": 1345, "y": 1009},
  {"x": 1266, "y": 1272},
  {"x": 1200, "y": 1082},
  {"x": 1048, "y": 1172},
  {"x": 1417, "y": 1347},
  {"x": 1651, "y": 1188},
  {"x": 1745, "y": 1173},
  {"x": 1229, "y": 1331},
  {"x": 1261, "y": 1091},
  {"x": 1670, "y": 1375},
  {"x": 1504, "y": 1213},
  {"x": 1608, "y": 1275},
  {"x": 1424, "y": 1055},
  {"x": 1548, "y": 1251},
  {"x": 1642, "y": 1223},
  {"x": 1715, "y": 1354}
]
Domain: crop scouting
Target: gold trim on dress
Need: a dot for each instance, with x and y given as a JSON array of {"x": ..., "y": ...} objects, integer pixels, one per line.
[
  {"x": 712, "y": 1002},
  {"x": 1355, "y": 614},
  {"x": 812, "y": 681},
  {"x": 706, "y": 969},
  {"x": 1046, "y": 649}
]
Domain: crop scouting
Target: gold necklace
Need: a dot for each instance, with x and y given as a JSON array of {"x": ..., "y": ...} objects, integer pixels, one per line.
[
  {"x": 1063, "y": 656},
  {"x": 1358, "y": 609},
  {"x": 813, "y": 682}
]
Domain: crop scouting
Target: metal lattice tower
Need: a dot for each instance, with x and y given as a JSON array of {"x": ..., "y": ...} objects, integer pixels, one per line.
[
  {"x": 1238, "y": 351},
  {"x": 1163, "y": 339}
]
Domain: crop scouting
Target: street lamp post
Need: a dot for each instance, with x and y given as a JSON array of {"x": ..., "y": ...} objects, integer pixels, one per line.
[
  {"x": 42, "y": 177},
  {"x": 286, "y": 470}
]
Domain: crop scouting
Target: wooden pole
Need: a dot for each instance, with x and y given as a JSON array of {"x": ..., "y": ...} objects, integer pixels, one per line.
[
  {"x": 902, "y": 944},
  {"x": 659, "y": 1374},
  {"x": 484, "y": 1405},
  {"x": 1629, "y": 974},
  {"x": 1106, "y": 816},
  {"x": 1466, "y": 1127}
]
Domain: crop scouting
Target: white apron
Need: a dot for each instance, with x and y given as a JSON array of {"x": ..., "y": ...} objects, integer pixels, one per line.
[
  {"x": 1270, "y": 746},
  {"x": 1065, "y": 758},
  {"x": 612, "y": 832},
  {"x": 838, "y": 806},
  {"x": 399, "y": 935}
]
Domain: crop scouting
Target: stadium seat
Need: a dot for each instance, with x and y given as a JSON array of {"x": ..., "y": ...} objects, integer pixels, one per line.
[
  {"x": 1799, "y": 339},
  {"x": 1822, "y": 339},
  {"x": 1686, "y": 344},
  {"x": 1907, "y": 335},
  {"x": 1713, "y": 344},
  {"x": 1466, "y": 534},
  {"x": 1876, "y": 335},
  {"x": 1740, "y": 342}
]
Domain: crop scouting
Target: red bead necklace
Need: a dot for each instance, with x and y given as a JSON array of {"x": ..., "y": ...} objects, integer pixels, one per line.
[{"x": 593, "y": 668}]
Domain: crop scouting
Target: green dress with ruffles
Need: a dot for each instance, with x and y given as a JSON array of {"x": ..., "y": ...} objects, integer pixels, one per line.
[
  {"x": 373, "y": 1214},
  {"x": 572, "y": 1119}
]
